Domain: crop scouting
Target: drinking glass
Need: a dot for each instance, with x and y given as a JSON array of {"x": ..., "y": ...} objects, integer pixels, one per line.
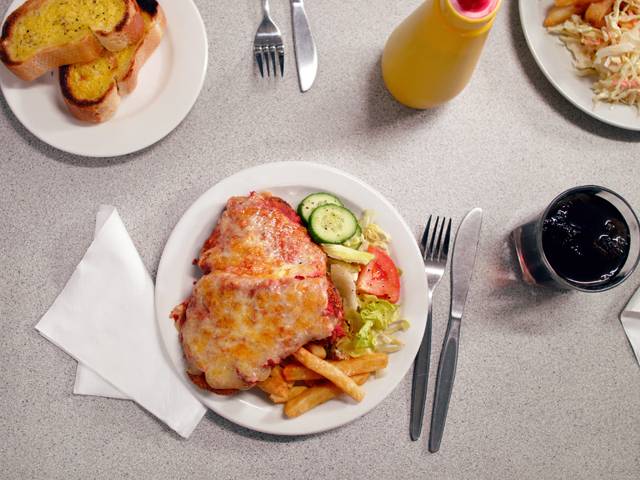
[{"x": 534, "y": 264}]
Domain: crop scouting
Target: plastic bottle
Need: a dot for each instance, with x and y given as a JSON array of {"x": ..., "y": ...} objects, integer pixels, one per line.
[{"x": 430, "y": 57}]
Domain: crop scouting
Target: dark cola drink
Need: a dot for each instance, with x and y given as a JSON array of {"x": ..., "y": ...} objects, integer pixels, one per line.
[{"x": 587, "y": 239}]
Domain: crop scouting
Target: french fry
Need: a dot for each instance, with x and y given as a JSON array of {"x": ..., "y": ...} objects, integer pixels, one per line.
[
  {"x": 330, "y": 372},
  {"x": 557, "y": 15},
  {"x": 315, "y": 396},
  {"x": 353, "y": 366},
  {"x": 275, "y": 384},
  {"x": 597, "y": 11},
  {"x": 317, "y": 350},
  {"x": 293, "y": 392}
]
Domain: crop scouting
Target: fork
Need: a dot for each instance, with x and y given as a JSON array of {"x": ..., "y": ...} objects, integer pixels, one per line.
[
  {"x": 267, "y": 43},
  {"x": 435, "y": 252}
]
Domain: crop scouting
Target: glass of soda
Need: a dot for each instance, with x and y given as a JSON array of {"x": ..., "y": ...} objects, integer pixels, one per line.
[{"x": 587, "y": 239}]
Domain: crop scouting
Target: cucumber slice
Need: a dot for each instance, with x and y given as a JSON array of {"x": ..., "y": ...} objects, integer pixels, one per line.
[
  {"x": 313, "y": 201},
  {"x": 356, "y": 240},
  {"x": 332, "y": 224}
]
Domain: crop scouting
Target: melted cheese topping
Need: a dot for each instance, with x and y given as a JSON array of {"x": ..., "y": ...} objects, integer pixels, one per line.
[
  {"x": 62, "y": 21},
  {"x": 265, "y": 294},
  {"x": 253, "y": 238},
  {"x": 237, "y": 328}
]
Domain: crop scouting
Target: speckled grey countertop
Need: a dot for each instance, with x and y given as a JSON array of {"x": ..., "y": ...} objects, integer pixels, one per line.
[{"x": 547, "y": 386}]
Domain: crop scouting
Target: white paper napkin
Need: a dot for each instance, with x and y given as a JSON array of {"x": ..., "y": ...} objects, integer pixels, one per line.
[
  {"x": 105, "y": 319},
  {"x": 630, "y": 318},
  {"x": 87, "y": 381}
]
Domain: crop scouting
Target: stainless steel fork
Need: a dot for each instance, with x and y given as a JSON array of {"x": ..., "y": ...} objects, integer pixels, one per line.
[
  {"x": 435, "y": 252},
  {"x": 268, "y": 43}
]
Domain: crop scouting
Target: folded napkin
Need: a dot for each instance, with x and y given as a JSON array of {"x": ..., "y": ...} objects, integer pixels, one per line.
[
  {"x": 630, "y": 318},
  {"x": 105, "y": 319},
  {"x": 89, "y": 382}
]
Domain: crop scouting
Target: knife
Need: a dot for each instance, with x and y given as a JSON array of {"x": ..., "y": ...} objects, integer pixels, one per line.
[
  {"x": 305, "y": 47},
  {"x": 462, "y": 262}
]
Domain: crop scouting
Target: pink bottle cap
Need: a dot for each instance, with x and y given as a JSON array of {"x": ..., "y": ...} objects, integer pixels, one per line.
[{"x": 474, "y": 8}]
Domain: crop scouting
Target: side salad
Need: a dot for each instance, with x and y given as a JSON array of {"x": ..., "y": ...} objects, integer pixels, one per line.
[{"x": 363, "y": 272}]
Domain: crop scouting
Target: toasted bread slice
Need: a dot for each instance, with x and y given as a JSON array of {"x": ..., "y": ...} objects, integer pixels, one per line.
[
  {"x": 44, "y": 34},
  {"x": 92, "y": 90}
]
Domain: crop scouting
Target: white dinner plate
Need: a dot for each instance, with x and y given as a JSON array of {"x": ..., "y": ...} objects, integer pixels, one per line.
[
  {"x": 292, "y": 181},
  {"x": 556, "y": 63},
  {"x": 168, "y": 86}
]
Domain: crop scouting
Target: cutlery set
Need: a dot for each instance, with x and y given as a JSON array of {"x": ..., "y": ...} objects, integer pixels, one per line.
[
  {"x": 268, "y": 45},
  {"x": 435, "y": 252}
]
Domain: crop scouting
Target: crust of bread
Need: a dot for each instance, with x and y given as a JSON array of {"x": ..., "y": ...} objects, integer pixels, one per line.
[
  {"x": 92, "y": 111},
  {"x": 128, "y": 31},
  {"x": 148, "y": 45},
  {"x": 103, "y": 108}
]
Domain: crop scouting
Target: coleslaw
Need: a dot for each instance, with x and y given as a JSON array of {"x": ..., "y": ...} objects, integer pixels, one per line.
[{"x": 611, "y": 53}]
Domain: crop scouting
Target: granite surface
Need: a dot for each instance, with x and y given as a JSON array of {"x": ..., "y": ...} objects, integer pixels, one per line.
[{"x": 547, "y": 385}]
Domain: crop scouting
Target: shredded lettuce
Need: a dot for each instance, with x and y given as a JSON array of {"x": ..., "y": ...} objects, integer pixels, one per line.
[
  {"x": 372, "y": 233},
  {"x": 380, "y": 312},
  {"x": 372, "y": 327},
  {"x": 365, "y": 338}
]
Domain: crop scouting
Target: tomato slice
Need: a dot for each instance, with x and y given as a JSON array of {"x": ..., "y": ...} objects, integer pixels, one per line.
[{"x": 380, "y": 277}]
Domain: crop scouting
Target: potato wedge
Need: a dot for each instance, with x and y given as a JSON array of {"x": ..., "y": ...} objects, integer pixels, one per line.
[
  {"x": 566, "y": 3},
  {"x": 597, "y": 11},
  {"x": 315, "y": 396},
  {"x": 353, "y": 366},
  {"x": 330, "y": 372},
  {"x": 557, "y": 15}
]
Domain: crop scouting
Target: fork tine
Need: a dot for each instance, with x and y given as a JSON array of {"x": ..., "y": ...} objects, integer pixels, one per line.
[
  {"x": 425, "y": 239},
  {"x": 447, "y": 239},
  {"x": 265, "y": 59},
  {"x": 433, "y": 238},
  {"x": 438, "y": 250},
  {"x": 281, "y": 58},
  {"x": 272, "y": 51},
  {"x": 258, "y": 53}
]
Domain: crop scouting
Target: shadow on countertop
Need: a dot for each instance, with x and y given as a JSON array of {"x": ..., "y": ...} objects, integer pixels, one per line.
[
  {"x": 64, "y": 157},
  {"x": 551, "y": 96},
  {"x": 511, "y": 295},
  {"x": 383, "y": 109}
]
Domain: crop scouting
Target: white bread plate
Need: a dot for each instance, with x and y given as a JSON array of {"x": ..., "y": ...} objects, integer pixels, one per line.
[{"x": 168, "y": 86}]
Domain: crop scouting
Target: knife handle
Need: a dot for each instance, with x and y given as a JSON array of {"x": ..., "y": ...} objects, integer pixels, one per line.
[
  {"x": 444, "y": 383},
  {"x": 420, "y": 380}
]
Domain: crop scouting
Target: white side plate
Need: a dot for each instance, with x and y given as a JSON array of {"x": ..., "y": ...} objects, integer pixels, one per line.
[
  {"x": 292, "y": 181},
  {"x": 168, "y": 86},
  {"x": 556, "y": 63}
]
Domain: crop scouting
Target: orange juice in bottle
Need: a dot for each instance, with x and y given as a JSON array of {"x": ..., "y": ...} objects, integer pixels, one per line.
[{"x": 430, "y": 57}]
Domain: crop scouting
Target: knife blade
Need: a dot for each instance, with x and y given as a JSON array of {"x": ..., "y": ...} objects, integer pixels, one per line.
[
  {"x": 304, "y": 46},
  {"x": 463, "y": 259}
]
